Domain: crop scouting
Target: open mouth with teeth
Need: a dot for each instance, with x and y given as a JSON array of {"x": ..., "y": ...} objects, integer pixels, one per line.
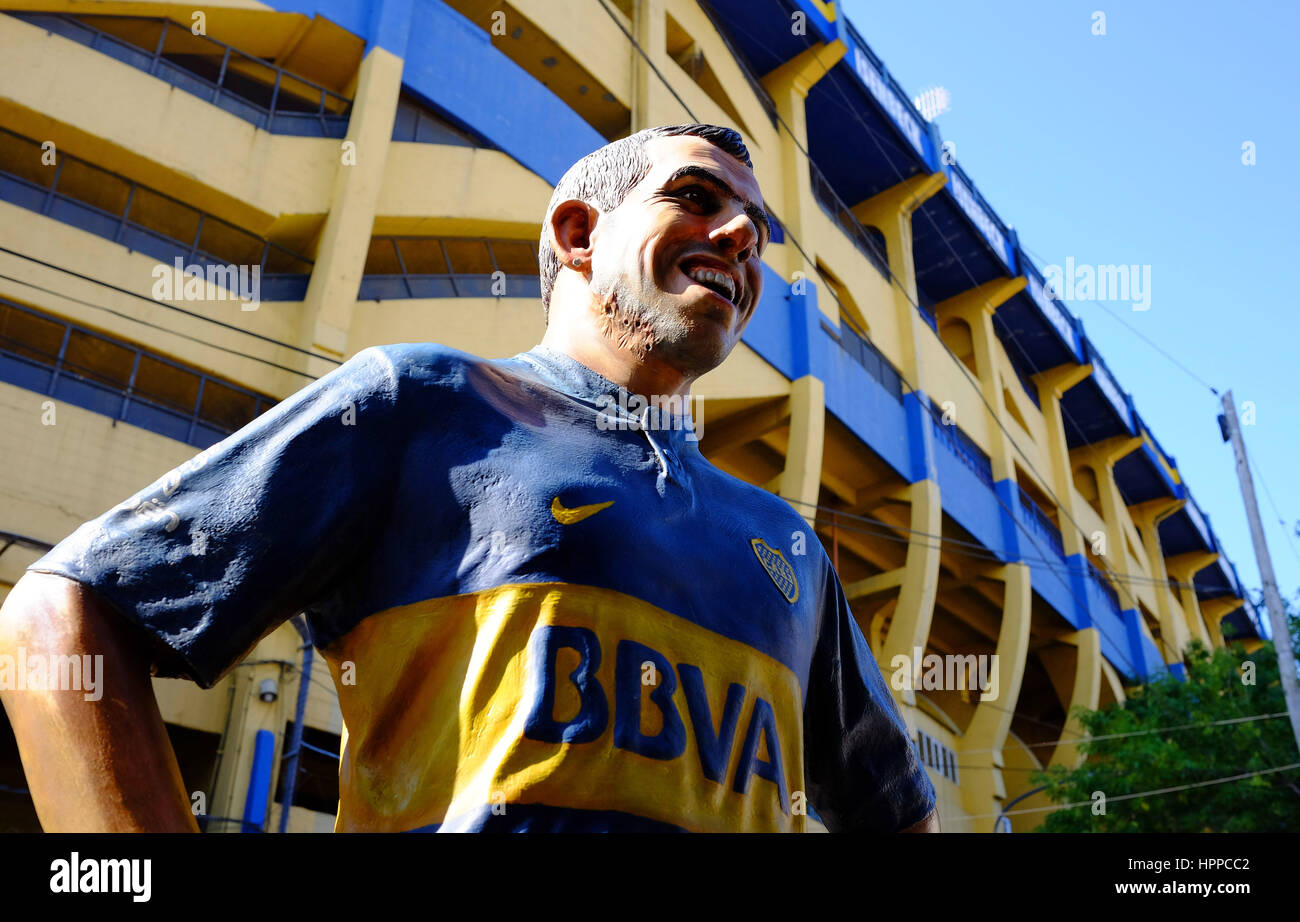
[{"x": 718, "y": 282}]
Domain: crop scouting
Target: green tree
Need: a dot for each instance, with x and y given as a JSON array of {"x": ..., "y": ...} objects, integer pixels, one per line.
[{"x": 1217, "y": 688}]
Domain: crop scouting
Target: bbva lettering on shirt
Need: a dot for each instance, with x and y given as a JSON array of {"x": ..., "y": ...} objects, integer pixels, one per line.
[{"x": 593, "y": 717}]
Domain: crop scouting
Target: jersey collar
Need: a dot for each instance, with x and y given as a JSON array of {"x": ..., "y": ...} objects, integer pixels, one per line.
[{"x": 567, "y": 374}]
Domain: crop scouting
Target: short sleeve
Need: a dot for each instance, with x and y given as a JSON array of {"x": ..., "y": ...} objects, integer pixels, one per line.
[
  {"x": 863, "y": 772},
  {"x": 266, "y": 523}
]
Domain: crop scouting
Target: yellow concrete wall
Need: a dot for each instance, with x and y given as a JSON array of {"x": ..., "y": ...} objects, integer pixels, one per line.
[
  {"x": 122, "y": 119},
  {"x": 599, "y": 44},
  {"x": 870, "y": 288},
  {"x": 303, "y": 820},
  {"x": 490, "y": 327},
  {"x": 57, "y": 477},
  {"x": 184, "y": 338},
  {"x": 484, "y": 191},
  {"x": 1018, "y": 765},
  {"x": 322, "y": 700},
  {"x": 949, "y": 380},
  {"x": 1088, "y": 519},
  {"x": 952, "y": 816}
]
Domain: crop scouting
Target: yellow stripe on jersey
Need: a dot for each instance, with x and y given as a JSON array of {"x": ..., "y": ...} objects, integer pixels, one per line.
[{"x": 564, "y": 695}]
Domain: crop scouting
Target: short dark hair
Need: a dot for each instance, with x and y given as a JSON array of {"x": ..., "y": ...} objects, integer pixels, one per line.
[{"x": 605, "y": 176}]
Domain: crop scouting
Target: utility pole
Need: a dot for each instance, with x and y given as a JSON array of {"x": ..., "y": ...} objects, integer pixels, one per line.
[{"x": 1272, "y": 598}]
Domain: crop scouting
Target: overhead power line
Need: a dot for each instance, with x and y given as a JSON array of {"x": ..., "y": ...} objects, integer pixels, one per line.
[
  {"x": 165, "y": 306},
  {"x": 1132, "y": 733},
  {"x": 958, "y": 545},
  {"x": 1286, "y": 528},
  {"x": 1142, "y": 336},
  {"x": 1123, "y": 797},
  {"x": 157, "y": 326}
]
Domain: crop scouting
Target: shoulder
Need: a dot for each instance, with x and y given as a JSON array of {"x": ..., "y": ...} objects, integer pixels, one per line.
[
  {"x": 386, "y": 372},
  {"x": 398, "y": 363}
]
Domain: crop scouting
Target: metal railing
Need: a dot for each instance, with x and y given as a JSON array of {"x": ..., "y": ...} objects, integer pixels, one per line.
[
  {"x": 865, "y": 353},
  {"x": 1112, "y": 597},
  {"x": 1041, "y": 522},
  {"x": 410, "y": 282},
  {"x": 283, "y": 273},
  {"x": 841, "y": 214},
  {"x": 281, "y": 106},
  {"x": 421, "y": 123},
  {"x": 965, "y": 449},
  {"x": 28, "y": 365}
]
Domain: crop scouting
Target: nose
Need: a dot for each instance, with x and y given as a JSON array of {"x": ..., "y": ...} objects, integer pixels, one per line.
[{"x": 738, "y": 236}]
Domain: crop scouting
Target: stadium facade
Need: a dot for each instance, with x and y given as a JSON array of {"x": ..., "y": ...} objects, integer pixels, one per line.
[{"x": 203, "y": 209}]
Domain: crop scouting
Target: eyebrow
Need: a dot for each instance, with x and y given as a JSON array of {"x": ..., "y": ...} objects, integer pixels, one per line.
[{"x": 756, "y": 213}]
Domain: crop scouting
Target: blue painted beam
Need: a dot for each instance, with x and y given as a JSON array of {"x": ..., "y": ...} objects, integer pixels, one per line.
[
  {"x": 778, "y": 329},
  {"x": 452, "y": 63},
  {"x": 1136, "y": 648},
  {"x": 259, "y": 782},
  {"x": 968, "y": 499},
  {"x": 1007, "y": 494},
  {"x": 920, "y": 438},
  {"x": 354, "y": 15},
  {"x": 793, "y": 336}
]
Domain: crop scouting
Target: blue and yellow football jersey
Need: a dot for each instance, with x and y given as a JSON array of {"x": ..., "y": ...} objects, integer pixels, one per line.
[{"x": 535, "y": 618}]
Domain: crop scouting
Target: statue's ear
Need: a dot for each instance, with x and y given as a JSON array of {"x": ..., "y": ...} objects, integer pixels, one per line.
[{"x": 570, "y": 228}]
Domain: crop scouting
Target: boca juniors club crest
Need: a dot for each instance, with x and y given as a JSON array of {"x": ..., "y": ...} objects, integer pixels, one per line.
[{"x": 778, "y": 568}]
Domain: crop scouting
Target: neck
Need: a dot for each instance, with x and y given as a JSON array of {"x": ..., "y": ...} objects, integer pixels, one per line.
[{"x": 646, "y": 375}]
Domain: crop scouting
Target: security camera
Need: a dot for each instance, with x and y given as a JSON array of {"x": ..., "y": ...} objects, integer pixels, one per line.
[{"x": 269, "y": 691}]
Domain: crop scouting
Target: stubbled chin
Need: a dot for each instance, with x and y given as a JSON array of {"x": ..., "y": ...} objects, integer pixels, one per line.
[
  {"x": 636, "y": 333},
  {"x": 692, "y": 334}
]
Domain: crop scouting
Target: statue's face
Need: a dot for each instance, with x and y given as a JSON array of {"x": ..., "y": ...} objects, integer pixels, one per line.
[{"x": 676, "y": 267}]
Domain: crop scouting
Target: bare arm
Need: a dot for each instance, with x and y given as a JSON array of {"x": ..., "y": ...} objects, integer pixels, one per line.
[
  {"x": 929, "y": 824},
  {"x": 91, "y": 766}
]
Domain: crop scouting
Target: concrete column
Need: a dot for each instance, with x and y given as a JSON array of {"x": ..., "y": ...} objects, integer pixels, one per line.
[
  {"x": 788, "y": 86},
  {"x": 1076, "y": 675},
  {"x": 1084, "y": 691},
  {"x": 248, "y": 715},
  {"x": 1052, "y": 385},
  {"x": 910, "y": 625},
  {"x": 652, "y": 103},
  {"x": 345, "y": 238},
  {"x": 1184, "y": 568},
  {"x": 1101, "y": 458},
  {"x": 980, "y": 747},
  {"x": 976, "y": 308},
  {"x": 1213, "y": 610},
  {"x": 890, "y": 212},
  {"x": 801, "y": 479},
  {"x": 1148, "y": 517}
]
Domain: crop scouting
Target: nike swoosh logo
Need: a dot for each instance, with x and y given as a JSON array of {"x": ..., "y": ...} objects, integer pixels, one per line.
[{"x": 566, "y": 516}]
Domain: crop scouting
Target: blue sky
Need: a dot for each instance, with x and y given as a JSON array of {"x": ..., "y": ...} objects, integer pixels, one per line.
[{"x": 1126, "y": 148}]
